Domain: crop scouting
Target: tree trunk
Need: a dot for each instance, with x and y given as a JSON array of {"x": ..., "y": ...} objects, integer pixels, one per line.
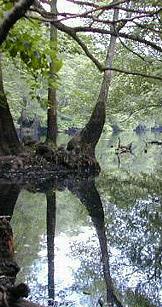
[
  {"x": 9, "y": 142},
  {"x": 52, "y": 101},
  {"x": 85, "y": 142}
]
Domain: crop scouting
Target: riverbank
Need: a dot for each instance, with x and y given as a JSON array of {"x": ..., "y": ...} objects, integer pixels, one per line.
[{"x": 42, "y": 163}]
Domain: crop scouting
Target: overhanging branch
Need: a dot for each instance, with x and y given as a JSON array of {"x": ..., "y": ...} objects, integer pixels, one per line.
[
  {"x": 72, "y": 32},
  {"x": 132, "y": 37},
  {"x": 99, "y": 30},
  {"x": 87, "y": 52},
  {"x": 17, "y": 12}
]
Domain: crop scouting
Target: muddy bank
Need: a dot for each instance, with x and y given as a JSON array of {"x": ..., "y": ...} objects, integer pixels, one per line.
[{"x": 45, "y": 163}]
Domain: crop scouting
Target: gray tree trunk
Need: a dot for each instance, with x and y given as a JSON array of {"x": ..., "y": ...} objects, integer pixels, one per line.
[{"x": 85, "y": 142}]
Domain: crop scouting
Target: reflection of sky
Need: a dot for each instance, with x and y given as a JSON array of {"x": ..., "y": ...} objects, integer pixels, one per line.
[
  {"x": 65, "y": 266},
  {"x": 140, "y": 244},
  {"x": 68, "y": 261}
]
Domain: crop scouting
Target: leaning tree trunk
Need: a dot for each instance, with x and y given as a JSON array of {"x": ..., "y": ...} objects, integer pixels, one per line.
[
  {"x": 9, "y": 142},
  {"x": 85, "y": 142},
  {"x": 52, "y": 100}
]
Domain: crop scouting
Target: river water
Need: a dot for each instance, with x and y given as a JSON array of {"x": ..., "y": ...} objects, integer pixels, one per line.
[{"x": 94, "y": 242}]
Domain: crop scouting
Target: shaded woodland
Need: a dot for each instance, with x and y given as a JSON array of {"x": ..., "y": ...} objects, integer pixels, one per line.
[{"x": 110, "y": 20}]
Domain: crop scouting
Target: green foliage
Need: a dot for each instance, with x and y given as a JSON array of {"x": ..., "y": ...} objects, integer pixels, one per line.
[
  {"x": 79, "y": 88},
  {"x": 29, "y": 40},
  {"x": 28, "y": 48},
  {"x": 130, "y": 97},
  {"x": 134, "y": 97},
  {"x": 5, "y": 6},
  {"x": 20, "y": 87},
  {"x": 28, "y": 224}
]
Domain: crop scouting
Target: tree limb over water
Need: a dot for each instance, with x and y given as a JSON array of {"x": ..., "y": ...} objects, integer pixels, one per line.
[
  {"x": 108, "y": 27},
  {"x": 149, "y": 19}
]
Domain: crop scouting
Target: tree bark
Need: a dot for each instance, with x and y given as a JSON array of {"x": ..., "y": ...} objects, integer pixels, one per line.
[
  {"x": 85, "y": 142},
  {"x": 9, "y": 142},
  {"x": 52, "y": 100}
]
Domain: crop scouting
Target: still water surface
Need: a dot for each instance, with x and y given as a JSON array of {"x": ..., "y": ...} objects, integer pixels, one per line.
[{"x": 95, "y": 242}]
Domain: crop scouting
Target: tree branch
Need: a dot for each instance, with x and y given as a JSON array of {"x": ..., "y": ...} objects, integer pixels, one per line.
[
  {"x": 121, "y": 34},
  {"x": 86, "y": 50},
  {"x": 11, "y": 18},
  {"x": 132, "y": 51},
  {"x": 69, "y": 30},
  {"x": 139, "y": 11},
  {"x": 107, "y": 21},
  {"x": 101, "y": 68},
  {"x": 72, "y": 32},
  {"x": 145, "y": 26},
  {"x": 133, "y": 73},
  {"x": 83, "y": 3}
]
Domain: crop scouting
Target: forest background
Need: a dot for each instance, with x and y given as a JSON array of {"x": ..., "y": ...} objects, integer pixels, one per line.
[{"x": 28, "y": 53}]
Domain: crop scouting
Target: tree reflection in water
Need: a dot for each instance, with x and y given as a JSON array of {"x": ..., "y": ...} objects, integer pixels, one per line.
[
  {"x": 8, "y": 197},
  {"x": 51, "y": 225},
  {"x": 89, "y": 196},
  {"x": 11, "y": 295},
  {"x": 119, "y": 237}
]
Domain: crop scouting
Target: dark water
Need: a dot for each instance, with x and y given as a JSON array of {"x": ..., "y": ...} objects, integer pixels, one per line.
[{"x": 95, "y": 242}]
